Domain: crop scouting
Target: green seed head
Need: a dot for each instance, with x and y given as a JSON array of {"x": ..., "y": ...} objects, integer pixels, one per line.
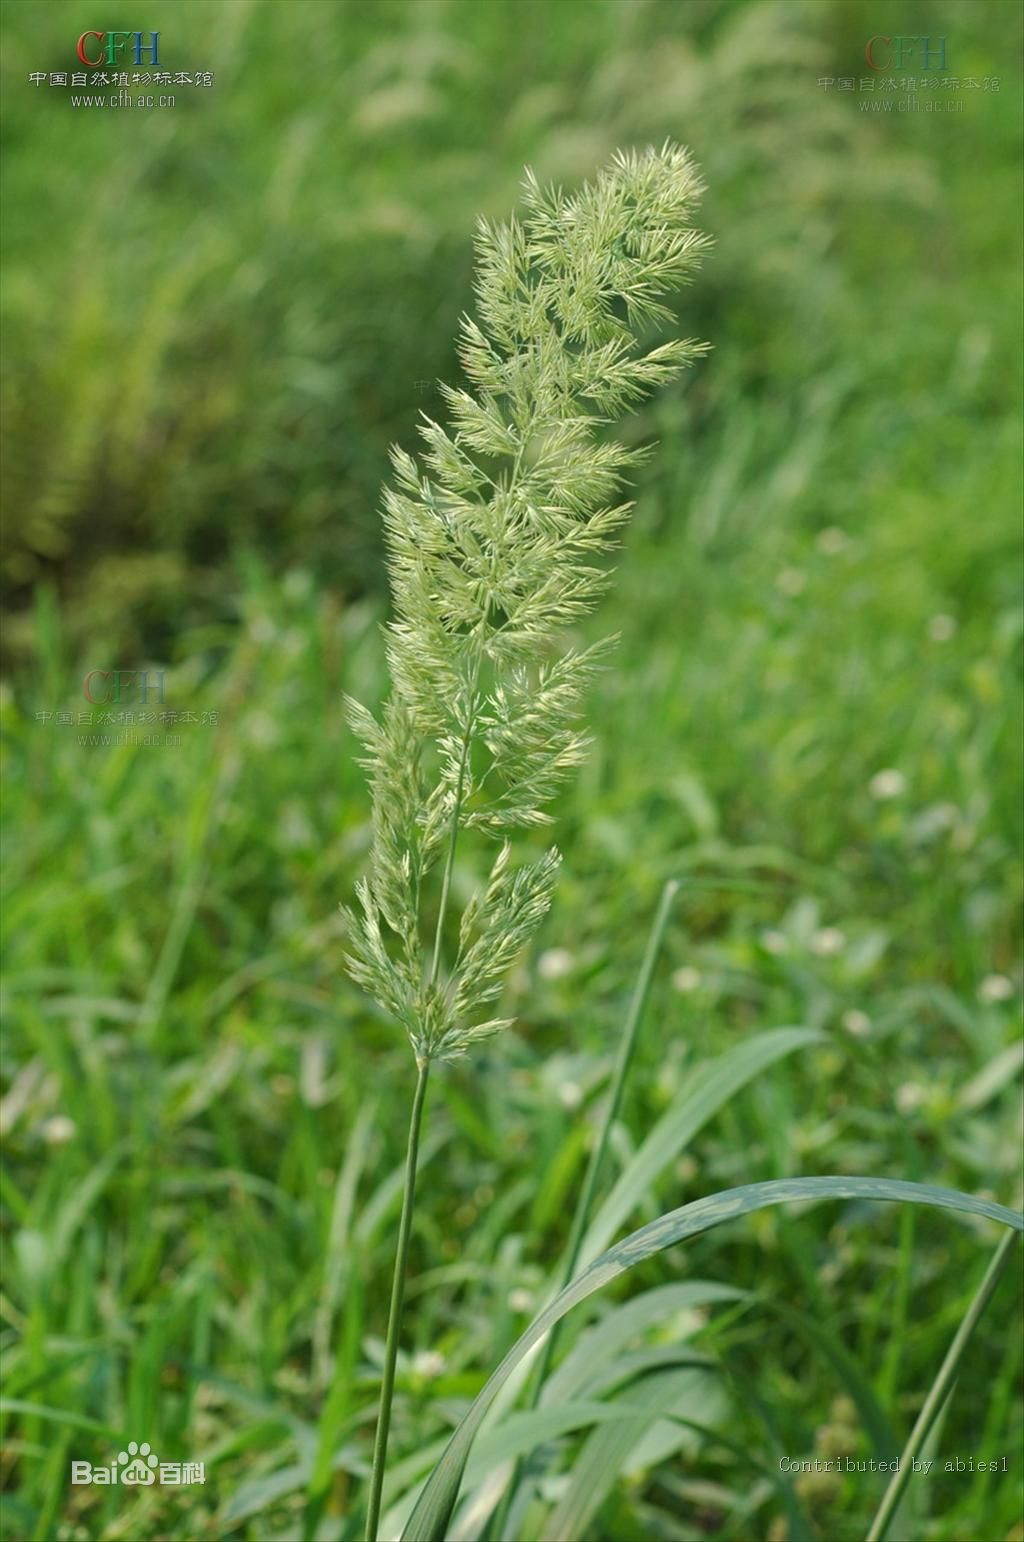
[{"x": 495, "y": 539}]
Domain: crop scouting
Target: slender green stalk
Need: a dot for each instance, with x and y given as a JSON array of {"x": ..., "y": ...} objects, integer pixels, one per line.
[
  {"x": 627, "y": 1045},
  {"x": 581, "y": 1216},
  {"x": 387, "y": 1390},
  {"x": 492, "y": 539},
  {"x": 941, "y": 1390}
]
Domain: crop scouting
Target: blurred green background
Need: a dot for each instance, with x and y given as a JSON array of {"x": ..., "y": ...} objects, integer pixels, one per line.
[{"x": 216, "y": 318}]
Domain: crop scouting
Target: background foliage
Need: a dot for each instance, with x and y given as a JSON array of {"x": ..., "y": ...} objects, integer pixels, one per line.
[{"x": 216, "y": 318}]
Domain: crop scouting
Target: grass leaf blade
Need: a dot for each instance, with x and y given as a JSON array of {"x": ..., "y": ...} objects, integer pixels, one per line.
[
  {"x": 704, "y": 1092},
  {"x": 433, "y": 1511}
]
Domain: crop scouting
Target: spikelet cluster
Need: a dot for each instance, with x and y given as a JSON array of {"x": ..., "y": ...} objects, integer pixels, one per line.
[{"x": 495, "y": 539}]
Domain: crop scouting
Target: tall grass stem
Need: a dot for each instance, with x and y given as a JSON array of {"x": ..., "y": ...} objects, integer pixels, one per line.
[
  {"x": 581, "y": 1216},
  {"x": 387, "y": 1390},
  {"x": 941, "y": 1390}
]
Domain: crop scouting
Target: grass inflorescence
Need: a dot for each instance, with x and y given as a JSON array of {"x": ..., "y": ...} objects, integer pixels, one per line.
[{"x": 494, "y": 550}]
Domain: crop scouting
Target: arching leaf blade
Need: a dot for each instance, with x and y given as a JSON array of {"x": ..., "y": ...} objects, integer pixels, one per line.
[
  {"x": 430, "y": 1518},
  {"x": 708, "y": 1087}
]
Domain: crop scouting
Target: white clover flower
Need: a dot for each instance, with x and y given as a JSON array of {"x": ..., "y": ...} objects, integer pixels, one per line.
[
  {"x": 942, "y": 627},
  {"x": 294, "y": 829},
  {"x": 260, "y": 729},
  {"x": 428, "y": 1363},
  {"x": 828, "y": 941},
  {"x": 58, "y": 1130},
  {"x": 520, "y": 1299},
  {"x": 995, "y": 987},
  {"x": 570, "y": 1094},
  {"x": 687, "y": 979},
  {"x": 262, "y": 629},
  {"x": 856, "y": 1023},
  {"x": 555, "y": 964},
  {"x": 832, "y": 541},
  {"x": 964, "y": 835},
  {"x": 791, "y": 582},
  {"x": 886, "y": 784}
]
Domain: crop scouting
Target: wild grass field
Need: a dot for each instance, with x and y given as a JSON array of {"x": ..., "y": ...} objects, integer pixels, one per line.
[{"x": 216, "y": 319}]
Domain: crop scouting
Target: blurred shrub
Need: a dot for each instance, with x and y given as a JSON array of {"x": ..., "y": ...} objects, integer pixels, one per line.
[{"x": 254, "y": 292}]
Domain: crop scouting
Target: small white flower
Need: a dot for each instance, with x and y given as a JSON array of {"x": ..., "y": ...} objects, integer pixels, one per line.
[
  {"x": 520, "y": 1300},
  {"x": 857, "y": 1023},
  {"x": 887, "y": 784},
  {"x": 58, "y": 1130},
  {"x": 774, "y": 942},
  {"x": 827, "y": 942},
  {"x": 909, "y": 1097},
  {"x": 294, "y": 829},
  {"x": 260, "y": 729},
  {"x": 555, "y": 964},
  {"x": 963, "y": 836},
  {"x": 262, "y": 629},
  {"x": 941, "y": 627},
  {"x": 791, "y": 581},
  {"x": 428, "y": 1363},
  {"x": 686, "y": 979},
  {"x": 832, "y": 541},
  {"x": 995, "y": 987},
  {"x": 570, "y": 1094}
]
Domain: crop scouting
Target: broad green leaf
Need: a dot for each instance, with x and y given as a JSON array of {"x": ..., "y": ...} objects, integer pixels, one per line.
[
  {"x": 992, "y": 1078},
  {"x": 430, "y": 1518},
  {"x": 59, "y": 1416},
  {"x": 707, "y": 1087},
  {"x": 515, "y": 1436},
  {"x": 616, "y": 1328},
  {"x": 258, "y": 1493},
  {"x": 523, "y": 1432},
  {"x": 612, "y": 1449}
]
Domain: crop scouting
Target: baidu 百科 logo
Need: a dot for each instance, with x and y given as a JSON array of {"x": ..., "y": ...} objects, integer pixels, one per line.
[{"x": 137, "y": 1466}]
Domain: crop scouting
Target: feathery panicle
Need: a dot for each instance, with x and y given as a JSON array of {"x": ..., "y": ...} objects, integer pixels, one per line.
[{"x": 494, "y": 543}]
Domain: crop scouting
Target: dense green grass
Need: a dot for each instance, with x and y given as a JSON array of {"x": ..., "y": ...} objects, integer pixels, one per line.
[{"x": 205, "y": 1121}]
